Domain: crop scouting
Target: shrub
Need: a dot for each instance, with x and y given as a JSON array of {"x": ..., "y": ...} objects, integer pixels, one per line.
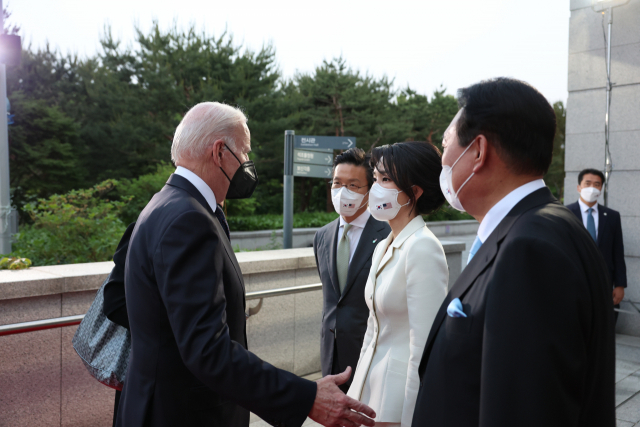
[
  {"x": 80, "y": 226},
  {"x": 274, "y": 222},
  {"x": 140, "y": 190}
]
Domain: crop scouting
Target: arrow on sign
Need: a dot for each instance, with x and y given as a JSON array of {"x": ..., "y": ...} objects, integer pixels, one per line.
[
  {"x": 329, "y": 159},
  {"x": 327, "y": 172},
  {"x": 348, "y": 144}
]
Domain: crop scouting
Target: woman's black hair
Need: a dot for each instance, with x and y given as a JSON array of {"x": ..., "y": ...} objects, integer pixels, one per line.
[{"x": 413, "y": 163}]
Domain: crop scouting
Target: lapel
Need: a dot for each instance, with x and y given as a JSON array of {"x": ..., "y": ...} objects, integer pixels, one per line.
[
  {"x": 602, "y": 218},
  {"x": 482, "y": 259},
  {"x": 414, "y": 225},
  {"x": 332, "y": 248},
  {"x": 371, "y": 234},
  {"x": 184, "y": 184},
  {"x": 379, "y": 251},
  {"x": 575, "y": 208}
]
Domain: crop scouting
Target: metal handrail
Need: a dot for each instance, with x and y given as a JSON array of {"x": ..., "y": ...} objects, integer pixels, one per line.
[{"x": 60, "y": 322}]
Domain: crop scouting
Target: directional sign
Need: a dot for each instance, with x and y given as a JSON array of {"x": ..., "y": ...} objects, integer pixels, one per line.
[
  {"x": 321, "y": 150},
  {"x": 333, "y": 142},
  {"x": 312, "y": 171},
  {"x": 312, "y": 157}
]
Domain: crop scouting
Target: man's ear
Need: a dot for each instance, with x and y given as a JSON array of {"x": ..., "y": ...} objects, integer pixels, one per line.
[
  {"x": 482, "y": 152},
  {"x": 216, "y": 152}
]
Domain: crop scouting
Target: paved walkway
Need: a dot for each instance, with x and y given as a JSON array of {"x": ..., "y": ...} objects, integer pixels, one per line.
[{"x": 627, "y": 385}]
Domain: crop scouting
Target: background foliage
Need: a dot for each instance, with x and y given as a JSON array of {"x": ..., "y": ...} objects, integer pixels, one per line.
[{"x": 106, "y": 123}]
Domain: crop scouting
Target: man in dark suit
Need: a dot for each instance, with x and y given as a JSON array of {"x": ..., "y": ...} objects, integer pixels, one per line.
[
  {"x": 525, "y": 336},
  {"x": 605, "y": 227},
  {"x": 345, "y": 312},
  {"x": 185, "y": 294}
]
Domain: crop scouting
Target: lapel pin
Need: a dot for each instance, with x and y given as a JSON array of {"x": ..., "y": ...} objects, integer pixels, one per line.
[
  {"x": 605, "y": 214},
  {"x": 375, "y": 240}
]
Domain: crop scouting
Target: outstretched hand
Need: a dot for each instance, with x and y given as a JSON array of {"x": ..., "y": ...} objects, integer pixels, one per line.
[{"x": 333, "y": 408}]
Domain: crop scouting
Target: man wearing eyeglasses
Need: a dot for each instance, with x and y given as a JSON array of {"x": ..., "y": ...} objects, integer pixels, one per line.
[{"x": 343, "y": 250}]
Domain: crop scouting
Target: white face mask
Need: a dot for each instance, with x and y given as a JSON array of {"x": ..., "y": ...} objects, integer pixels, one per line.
[
  {"x": 345, "y": 201},
  {"x": 383, "y": 202},
  {"x": 446, "y": 184},
  {"x": 589, "y": 194}
]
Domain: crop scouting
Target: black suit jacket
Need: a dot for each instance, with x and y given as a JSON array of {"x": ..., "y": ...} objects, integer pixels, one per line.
[
  {"x": 345, "y": 314},
  {"x": 537, "y": 345},
  {"x": 189, "y": 362},
  {"x": 609, "y": 241}
]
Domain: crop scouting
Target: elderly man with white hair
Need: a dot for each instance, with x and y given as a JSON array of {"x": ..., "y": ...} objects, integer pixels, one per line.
[{"x": 189, "y": 362}]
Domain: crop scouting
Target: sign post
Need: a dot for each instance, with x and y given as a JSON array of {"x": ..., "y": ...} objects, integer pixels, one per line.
[
  {"x": 287, "y": 213},
  {"x": 313, "y": 157},
  {"x": 5, "y": 195}
]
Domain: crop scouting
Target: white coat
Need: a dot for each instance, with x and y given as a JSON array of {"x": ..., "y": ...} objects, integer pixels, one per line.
[{"x": 406, "y": 286}]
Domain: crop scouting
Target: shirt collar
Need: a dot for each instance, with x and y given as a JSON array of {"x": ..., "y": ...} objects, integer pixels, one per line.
[
  {"x": 497, "y": 213},
  {"x": 199, "y": 183},
  {"x": 584, "y": 207},
  {"x": 360, "y": 221}
]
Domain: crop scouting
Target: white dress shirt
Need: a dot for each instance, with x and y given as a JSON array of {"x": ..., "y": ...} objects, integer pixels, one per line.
[
  {"x": 202, "y": 186},
  {"x": 584, "y": 208},
  {"x": 354, "y": 233},
  {"x": 497, "y": 213}
]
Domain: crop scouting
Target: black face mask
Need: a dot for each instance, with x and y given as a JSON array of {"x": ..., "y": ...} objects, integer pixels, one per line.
[{"x": 244, "y": 181}]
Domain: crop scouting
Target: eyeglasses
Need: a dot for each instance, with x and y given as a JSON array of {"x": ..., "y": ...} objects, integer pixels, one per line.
[{"x": 352, "y": 186}]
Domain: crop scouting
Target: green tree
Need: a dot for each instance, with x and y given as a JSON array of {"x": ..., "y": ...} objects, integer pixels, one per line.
[
  {"x": 338, "y": 101},
  {"x": 554, "y": 177},
  {"x": 429, "y": 118},
  {"x": 139, "y": 94},
  {"x": 44, "y": 151}
]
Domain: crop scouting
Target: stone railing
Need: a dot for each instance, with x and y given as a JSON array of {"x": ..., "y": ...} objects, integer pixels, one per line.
[
  {"x": 303, "y": 237},
  {"x": 43, "y": 382}
]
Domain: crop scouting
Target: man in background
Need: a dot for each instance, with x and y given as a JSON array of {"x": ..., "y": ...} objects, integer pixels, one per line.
[
  {"x": 604, "y": 226},
  {"x": 343, "y": 250}
]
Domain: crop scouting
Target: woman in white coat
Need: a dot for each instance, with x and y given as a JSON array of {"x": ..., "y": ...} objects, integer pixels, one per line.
[{"x": 407, "y": 282}]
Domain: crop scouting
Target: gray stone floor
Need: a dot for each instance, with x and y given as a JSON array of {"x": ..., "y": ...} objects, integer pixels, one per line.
[{"x": 627, "y": 385}]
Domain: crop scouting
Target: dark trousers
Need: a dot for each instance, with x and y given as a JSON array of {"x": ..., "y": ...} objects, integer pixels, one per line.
[
  {"x": 115, "y": 406},
  {"x": 335, "y": 369},
  {"x": 615, "y": 315}
]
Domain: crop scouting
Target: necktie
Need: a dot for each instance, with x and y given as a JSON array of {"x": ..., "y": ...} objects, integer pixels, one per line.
[
  {"x": 591, "y": 224},
  {"x": 342, "y": 260},
  {"x": 223, "y": 221},
  {"x": 474, "y": 248}
]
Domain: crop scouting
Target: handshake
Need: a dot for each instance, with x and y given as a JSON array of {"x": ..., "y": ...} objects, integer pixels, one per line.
[{"x": 333, "y": 408}]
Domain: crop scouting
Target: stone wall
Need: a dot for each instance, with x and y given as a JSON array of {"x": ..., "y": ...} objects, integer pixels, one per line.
[
  {"x": 585, "y": 124},
  {"x": 303, "y": 237},
  {"x": 44, "y": 383}
]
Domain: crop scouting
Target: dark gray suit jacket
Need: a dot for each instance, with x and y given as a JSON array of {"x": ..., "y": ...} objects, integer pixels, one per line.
[
  {"x": 537, "y": 345},
  {"x": 185, "y": 295},
  {"x": 344, "y": 316}
]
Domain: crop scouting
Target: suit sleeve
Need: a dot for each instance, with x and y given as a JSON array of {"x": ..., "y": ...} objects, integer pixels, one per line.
[
  {"x": 189, "y": 263},
  {"x": 427, "y": 278},
  {"x": 620, "y": 267},
  {"x": 537, "y": 322}
]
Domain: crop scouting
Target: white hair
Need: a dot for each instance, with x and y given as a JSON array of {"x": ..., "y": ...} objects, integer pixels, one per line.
[{"x": 202, "y": 126}]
